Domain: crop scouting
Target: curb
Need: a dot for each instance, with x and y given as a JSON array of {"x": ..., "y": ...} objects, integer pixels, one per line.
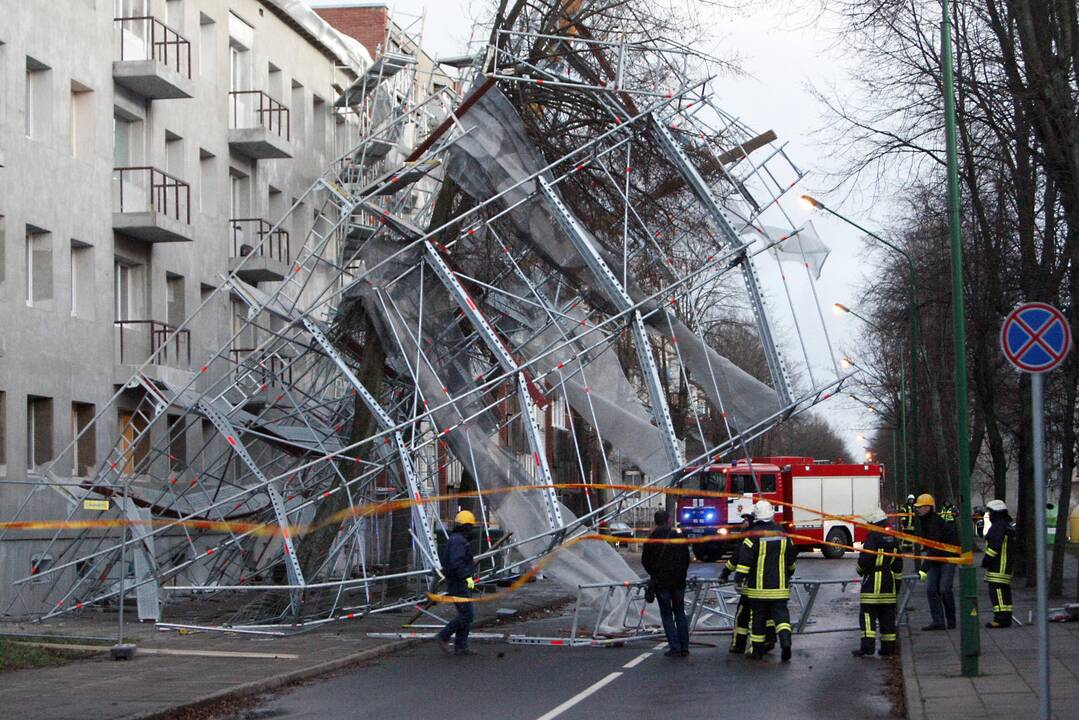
[
  {"x": 274, "y": 681},
  {"x": 912, "y": 691}
]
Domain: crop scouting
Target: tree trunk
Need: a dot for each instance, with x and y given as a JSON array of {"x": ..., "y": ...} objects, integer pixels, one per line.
[{"x": 312, "y": 551}]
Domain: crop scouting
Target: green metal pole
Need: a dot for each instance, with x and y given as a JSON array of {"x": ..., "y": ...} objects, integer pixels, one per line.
[
  {"x": 903, "y": 426},
  {"x": 970, "y": 640}
]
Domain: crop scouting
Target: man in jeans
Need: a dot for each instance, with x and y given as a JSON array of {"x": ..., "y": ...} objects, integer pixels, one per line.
[
  {"x": 938, "y": 576},
  {"x": 667, "y": 565}
]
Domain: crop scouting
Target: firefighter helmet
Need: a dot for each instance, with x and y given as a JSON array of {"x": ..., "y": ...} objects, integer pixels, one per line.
[
  {"x": 876, "y": 516},
  {"x": 996, "y": 506},
  {"x": 910, "y": 499},
  {"x": 465, "y": 517},
  {"x": 925, "y": 500},
  {"x": 763, "y": 510}
]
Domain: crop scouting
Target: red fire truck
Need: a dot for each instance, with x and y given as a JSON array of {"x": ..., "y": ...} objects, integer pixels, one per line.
[{"x": 835, "y": 488}]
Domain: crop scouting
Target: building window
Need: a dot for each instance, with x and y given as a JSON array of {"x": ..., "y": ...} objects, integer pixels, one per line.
[
  {"x": 298, "y": 114},
  {"x": 82, "y": 279},
  {"x": 3, "y": 247},
  {"x": 37, "y": 97},
  {"x": 320, "y": 116},
  {"x": 174, "y": 300},
  {"x": 125, "y": 291},
  {"x": 38, "y": 431},
  {"x": 38, "y": 265},
  {"x": 84, "y": 449},
  {"x": 40, "y": 563},
  {"x": 3, "y": 433},
  {"x": 174, "y": 15},
  {"x": 177, "y": 443},
  {"x": 174, "y": 155},
  {"x": 81, "y": 125}
]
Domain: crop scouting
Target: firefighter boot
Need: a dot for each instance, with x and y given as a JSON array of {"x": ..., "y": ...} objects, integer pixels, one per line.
[{"x": 785, "y": 647}]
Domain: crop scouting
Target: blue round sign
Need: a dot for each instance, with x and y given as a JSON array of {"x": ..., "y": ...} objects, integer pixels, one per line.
[{"x": 1035, "y": 337}]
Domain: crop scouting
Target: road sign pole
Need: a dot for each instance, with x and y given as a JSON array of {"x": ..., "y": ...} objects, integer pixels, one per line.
[{"x": 1042, "y": 612}]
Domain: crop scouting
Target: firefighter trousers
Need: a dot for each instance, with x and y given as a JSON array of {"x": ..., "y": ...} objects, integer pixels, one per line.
[
  {"x": 742, "y": 622},
  {"x": 1000, "y": 595},
  {"x": 877, "y": 620},
  {"x": 765, "y": 614}
]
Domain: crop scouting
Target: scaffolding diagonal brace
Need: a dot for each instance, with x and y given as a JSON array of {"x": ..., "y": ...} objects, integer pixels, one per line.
[
  {"x": 385, "y": 422},
  {"x": 729, "y": 236},
  {"x": 650, "y": 372},
  {"x": 292, "y": 562}
]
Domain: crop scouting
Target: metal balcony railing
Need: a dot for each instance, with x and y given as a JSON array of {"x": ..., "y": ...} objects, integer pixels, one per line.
[
  {"x": 254, "y": 108},
  {"x": 159, "y": 350},
  {"x": 257, "y": 236},
  {"x": 147, "y": 38},
  {"x": 145, "y": 188}
]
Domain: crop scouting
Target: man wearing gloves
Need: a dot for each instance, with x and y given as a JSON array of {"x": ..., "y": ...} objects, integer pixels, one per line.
[
  {"x": 460, "y": 571},
  {"x": 881, "y": 575},
  {"x": 765, "y": 567},
  {"x": 938, "y": 576}
]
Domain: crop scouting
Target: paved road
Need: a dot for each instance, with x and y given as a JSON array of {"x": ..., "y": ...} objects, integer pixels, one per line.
[{"x": 541, "y": 683}]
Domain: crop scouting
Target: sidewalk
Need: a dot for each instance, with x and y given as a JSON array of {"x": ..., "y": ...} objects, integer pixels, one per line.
[
  {"x": 204, "y": 667},
  {"x": 1008, "y": 681}
]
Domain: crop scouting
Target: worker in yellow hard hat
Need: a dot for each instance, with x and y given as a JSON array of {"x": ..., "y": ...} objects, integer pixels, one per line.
[
  {"x": 460, "y": 571},
  {"x": 938, "y": 576}
]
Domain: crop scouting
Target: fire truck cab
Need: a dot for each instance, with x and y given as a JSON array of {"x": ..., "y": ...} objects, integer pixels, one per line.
[{"x": 835, "y": 488}]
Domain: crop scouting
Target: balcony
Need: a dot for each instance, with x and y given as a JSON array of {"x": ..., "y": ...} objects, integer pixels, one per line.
[
  {"x": 259, "y": 126},
  {"x": 154, "y": 60},
  {"x": 142, "y": 340},
  {"x": 259, "y": 253},
  {"x": 151, "y": 205}
]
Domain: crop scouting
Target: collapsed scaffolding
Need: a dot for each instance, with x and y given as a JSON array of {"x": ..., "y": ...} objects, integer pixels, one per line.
[{"x": 455, "y": 281}]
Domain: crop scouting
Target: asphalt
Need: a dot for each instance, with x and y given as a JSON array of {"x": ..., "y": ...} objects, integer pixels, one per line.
[{"x": 532, "y": 682}]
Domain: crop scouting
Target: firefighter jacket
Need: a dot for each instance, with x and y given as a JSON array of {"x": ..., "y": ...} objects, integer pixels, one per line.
[
  {"x": 732, "y": 561},
  {"x": 906, "y": 524},
  {"x": 881, "y": 574},
  {"x": 766, "y": 564},
  {"x": 999, "y": 559}
]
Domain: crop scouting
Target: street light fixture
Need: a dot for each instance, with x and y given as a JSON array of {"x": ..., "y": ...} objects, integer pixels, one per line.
[{"x": 912, "y": 320}]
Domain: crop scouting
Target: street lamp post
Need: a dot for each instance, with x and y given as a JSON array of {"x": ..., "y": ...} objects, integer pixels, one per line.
[
  {"x": 903, "y": 394},
  {"x": 915, "y": 474}
]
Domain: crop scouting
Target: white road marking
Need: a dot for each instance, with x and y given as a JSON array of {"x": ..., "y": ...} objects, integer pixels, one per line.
[
  {"x": 580, "y": 696},
  {"x": 637, "y": 660}
]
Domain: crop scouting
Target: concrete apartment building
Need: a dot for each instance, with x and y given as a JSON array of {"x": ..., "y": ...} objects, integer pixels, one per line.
[{"x": 144, "y": 146}]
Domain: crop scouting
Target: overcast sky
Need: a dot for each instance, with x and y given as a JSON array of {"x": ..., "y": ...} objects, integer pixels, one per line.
[{"x": 784, "y": 47}]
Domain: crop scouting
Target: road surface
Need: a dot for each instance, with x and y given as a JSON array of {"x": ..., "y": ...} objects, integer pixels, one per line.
[{"x": 541, "y": 683}]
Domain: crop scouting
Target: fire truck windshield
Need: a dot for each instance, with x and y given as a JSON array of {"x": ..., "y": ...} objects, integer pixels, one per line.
[
  {"x": 741, "y": 484},
  {"x": 706, "y": 481}
]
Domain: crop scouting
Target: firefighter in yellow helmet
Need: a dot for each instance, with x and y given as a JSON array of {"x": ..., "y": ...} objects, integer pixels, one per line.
[
  {"x": 939, "y": 576},
  {"x": 460, "y": 570}
]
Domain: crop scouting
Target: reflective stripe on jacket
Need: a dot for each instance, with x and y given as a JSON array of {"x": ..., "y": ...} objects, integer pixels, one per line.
[
  {"x": 999, "y": 561},
  {"x": 881, "y": 574},
  {"x": 766, "y": 564}
]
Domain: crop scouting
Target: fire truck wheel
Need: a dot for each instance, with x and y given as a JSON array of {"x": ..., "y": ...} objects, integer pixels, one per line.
[{"x": 836, "y": 535}]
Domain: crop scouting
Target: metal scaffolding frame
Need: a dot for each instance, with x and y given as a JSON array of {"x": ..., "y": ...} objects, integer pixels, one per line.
[{"x": 473, "y": 355}]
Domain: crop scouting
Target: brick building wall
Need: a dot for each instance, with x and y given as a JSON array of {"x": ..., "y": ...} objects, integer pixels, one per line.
[{"x": 366, "y": 23}]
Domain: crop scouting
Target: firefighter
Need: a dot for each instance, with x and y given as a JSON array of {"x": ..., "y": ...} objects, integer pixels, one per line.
[
  {"x": 906, "y": 524},
  {"x": 765, "y": 567},
  {"x": 939, "y": 576},
  {"x": 881, "y": 577},
  {"x": 460, "y": 570},
  {"x": 998, "y": 563},
  {"x": 741, "y": 615}
]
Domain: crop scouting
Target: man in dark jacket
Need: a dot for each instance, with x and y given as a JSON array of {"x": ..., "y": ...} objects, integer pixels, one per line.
[
  {"x": 667, "y": 565},
  {"x": 998, "y": 563},
  {"x": 881, "y": 576},
  {"x": 460, "y": 572},
  {"x": 742, "y": 621},
  {"x": 938, "y": 576},
  {"x": 765, "y": 567}
]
